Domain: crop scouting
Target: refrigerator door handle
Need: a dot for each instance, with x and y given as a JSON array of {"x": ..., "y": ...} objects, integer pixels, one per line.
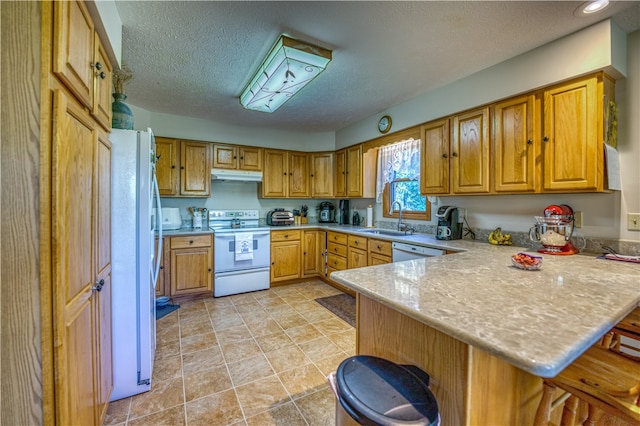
[{"x": 156, "y": 269}]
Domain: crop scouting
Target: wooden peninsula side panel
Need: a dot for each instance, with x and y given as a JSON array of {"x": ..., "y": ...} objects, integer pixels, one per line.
[{"x": 472, "y": 387}]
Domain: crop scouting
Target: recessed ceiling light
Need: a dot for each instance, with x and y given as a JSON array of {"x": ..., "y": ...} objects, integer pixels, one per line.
[{"x": 591, "y": 7}]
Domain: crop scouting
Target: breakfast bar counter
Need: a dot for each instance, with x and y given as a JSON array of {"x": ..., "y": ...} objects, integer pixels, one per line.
[{"x": 485, "y": 331}]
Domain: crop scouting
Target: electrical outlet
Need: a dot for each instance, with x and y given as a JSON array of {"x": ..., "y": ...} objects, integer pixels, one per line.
[
  {"x": 633, "y": 221},
  {"x": 577, "y": 217}
]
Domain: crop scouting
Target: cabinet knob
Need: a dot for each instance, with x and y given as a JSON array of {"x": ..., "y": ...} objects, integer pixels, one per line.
[
  {"x": 102, "y": 75},
  {"x": 304, "y": 252},
  {"x": 173, "y": 167},
  {"x": 242, "y": 158},
  {"x": 444, "y": 155},
  {"x": 356, "y": 242},
  {"x": 182, "y": 167},
  {"x": 162, "y": 267},
  {"x": 99, "y": 285},
  {"x": 234, "y": 157},
  {"x": 379, "y": 248},
  {"x": 190, "y": 241},
  {"x": 454, "y": 154},
  {"x": 273, "y": 263},
  {"x": 209, "y": 269},
  {"x": 529, "y": 142},
  {"x": 97, "y": 66},
  {"x": 311, "y": 174},
  {"x": 546, "y": 139},
  {"x": 285, "y": 173}
]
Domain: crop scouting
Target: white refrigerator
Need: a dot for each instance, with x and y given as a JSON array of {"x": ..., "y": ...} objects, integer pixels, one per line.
[{"x": 135, "y": 263}]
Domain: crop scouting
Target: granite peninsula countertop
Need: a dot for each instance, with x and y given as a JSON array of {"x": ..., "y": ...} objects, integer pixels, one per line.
[{"x": 539, "y": 321}]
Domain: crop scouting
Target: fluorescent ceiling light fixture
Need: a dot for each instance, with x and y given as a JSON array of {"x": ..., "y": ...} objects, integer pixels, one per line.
[
  {"x": 591, "y": 7},
  {"x": 290, "y": 65}
]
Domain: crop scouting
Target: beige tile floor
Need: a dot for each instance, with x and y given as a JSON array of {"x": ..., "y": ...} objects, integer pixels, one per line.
[{"x": 257, "y": 358}]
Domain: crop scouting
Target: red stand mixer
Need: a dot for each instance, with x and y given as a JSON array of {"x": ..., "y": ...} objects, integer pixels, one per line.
[{"x": 554, "y": 230}]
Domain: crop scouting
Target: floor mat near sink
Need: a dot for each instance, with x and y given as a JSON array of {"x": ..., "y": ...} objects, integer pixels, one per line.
[{"x": 343, "y": 305}]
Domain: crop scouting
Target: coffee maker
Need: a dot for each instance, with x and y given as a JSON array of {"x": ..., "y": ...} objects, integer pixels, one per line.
[
  {"x": 343, "y": 212},
  {"x": 449, "y": 223}
]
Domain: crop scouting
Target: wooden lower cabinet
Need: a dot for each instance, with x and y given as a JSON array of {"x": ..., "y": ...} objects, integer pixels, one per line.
[
  {"x": 380, "y": 252},
  {"x": 286, "y": 255},
  {"x": 471, "y": 386},
  {"x": 81, "y": 263},
  {"x": 164, "y": 274},
  {"x": 357, "y": 252},
  {"x": 191, "y": 265},
  {"x": 313, "y": 244}
]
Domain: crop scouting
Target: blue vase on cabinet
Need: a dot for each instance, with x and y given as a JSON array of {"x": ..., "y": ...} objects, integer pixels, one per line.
[{"x": 122, "y": 116}]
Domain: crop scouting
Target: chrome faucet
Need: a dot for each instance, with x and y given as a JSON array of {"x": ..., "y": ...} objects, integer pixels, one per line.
[{"x": 401, "y": 226}]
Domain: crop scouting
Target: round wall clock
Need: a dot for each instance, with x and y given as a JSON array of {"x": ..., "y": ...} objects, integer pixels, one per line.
[{"x": 384, "y": 125}]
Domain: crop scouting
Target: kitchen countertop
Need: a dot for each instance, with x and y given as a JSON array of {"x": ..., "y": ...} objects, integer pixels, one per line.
[{"x": 539, "y": 321}]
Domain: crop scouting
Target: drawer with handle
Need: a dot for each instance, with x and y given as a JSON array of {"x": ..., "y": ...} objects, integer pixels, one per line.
[
  {"x": 288, "y": 235},
  {"x": 191, "y": 241}
]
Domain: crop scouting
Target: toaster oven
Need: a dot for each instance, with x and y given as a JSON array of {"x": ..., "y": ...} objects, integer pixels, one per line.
[{"x": 279, "y": 217}]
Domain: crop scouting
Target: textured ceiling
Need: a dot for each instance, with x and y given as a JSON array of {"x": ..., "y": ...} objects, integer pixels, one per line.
[{"x": 193, "y": 58}]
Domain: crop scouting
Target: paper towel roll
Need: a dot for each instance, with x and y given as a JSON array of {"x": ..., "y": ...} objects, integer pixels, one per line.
[{"x": 370, "y": 217}]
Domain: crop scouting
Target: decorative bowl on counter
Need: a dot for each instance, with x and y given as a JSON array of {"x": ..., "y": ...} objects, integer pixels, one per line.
[{"x": 526, "y": 261}]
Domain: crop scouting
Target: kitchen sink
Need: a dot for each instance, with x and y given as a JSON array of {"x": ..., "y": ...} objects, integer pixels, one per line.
[{"x": 383, "y": 232}]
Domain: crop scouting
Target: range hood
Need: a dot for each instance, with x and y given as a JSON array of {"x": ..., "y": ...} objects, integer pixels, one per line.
[{"x": 236, "y": 175}]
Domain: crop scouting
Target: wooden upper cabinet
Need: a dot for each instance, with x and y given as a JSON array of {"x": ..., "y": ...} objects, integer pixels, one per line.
[
  {"x": 167, "y": 167},
  {"x": 195, "y": 168},
  {"x": 515, "y": 145},
  {"x": 321, "y": 174},
  {"x": 103, "y": 81},
  {"x": 80, "y": 61},
  {"x": 572, "y": 136},
  {"x": 225, "y": 156},
  {"x": 298, "y": 175},
  {"x": 73, "y": 48},
  {"x": 354, "y": 171},
  {"x": 434, "y": 170},
  {"x": 237, "y": 157},
  {"x": 249, "y": 158},
  {"x": 470, "y": 152},
  {"x": 275, "y": 182},
  {"x": 340, "y": 173},
  {"x": 286, "y": 174}
]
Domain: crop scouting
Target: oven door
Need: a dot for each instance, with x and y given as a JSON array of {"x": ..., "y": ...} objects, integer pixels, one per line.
[{"x": 227, "y": 259}]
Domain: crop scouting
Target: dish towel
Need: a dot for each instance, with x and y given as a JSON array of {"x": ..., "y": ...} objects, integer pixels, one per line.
[{"x": 244, "y": 246}]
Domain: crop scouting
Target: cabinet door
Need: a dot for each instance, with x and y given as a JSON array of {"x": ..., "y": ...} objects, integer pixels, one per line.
[
  {"x": 250, "y": 158},
  {"x": 434, "y": 170},
  {"x": 73, "y": 48},
  {"x": 340, "y": 173},
  {"x": 298, "y": 175},
  {"x": 322, "y": 175},
  {"x": 285, "y": 260},
  {"x": 310, "y": 255},
  {"x": 102, "y": 299},
  {"x": 165, "y": 260},
  {"x": 514, "y": 151},
  {"x": 225, "y": 157},
  {"x": 195, "y": 168},
  {"x": 102, "y": 81},
  {"x": 470, "y": 152},
  {"x": 167, "y": 172},
  {"x": 354, "y": 171},
  {"x": 572, "y": 144},
  {"x": 275, "y": 178},
  {"x": 191, "y": 271},
  {"x": 74, "y": 141},
  {"x": 356, "y": 258}
]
